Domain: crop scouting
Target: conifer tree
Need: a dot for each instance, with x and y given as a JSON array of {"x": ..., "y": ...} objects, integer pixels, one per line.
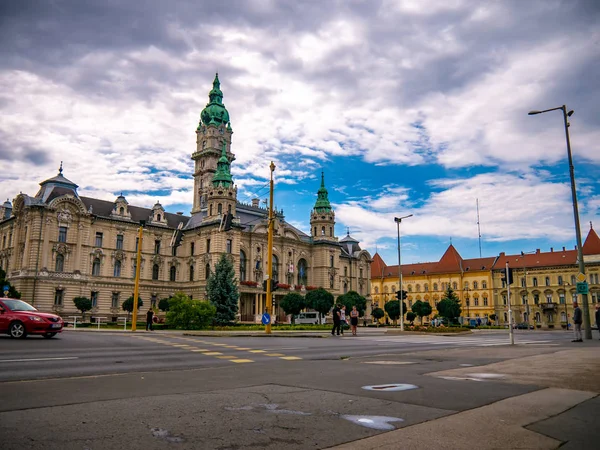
[
  {"x": 449, "y": 306},
  {"x": 12, "y": 292},
  {"x": 223, "y": 292}
]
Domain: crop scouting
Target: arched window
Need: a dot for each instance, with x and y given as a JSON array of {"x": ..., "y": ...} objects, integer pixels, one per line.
[
  {"x": 219, "y": 208},
  {"x": 155, "y": 272},
  {"x": 117, "y": 271},
  {"x": 475, "y": 285},
  {"x": 210, "y": 210},
  {"x": 426, "y": 287},
  {"x": 466, "y": 285},
  {"x": 547, "y": 281},
  {"x": 345, "y": 288},
  {"x": 302, "y": 272},
  {"x": 418, "y": 287},
  {"x": 229, "y": 209},
  {"x": 455, "y": 285},
  {"x": 172, "y": 273},
  {"x": 560, "y": 280},
  {"x": 573, "y": 280},
  {"x": 535, "y": 283},
  {"x": 242, "y": 266},
  {"x": 96, "y": 267},
  {"x": 435, "y": 286},
  {"x": 275, "y": 268},
  {"x": 410, "y": 288},
  {"x": 484, "y": 285},
  {"x": 158, "y": 217},
  {"x": 191, "y": 272},
  {"x": 322, "y": 231},
  {"x": 207, "y": 271},
  {"x": 376, "y": 290},
  {"x": 60, "y": 263},
  {"x": 121, "y": 210},
  {"x": 331, "y": 231},
  {"x": 315, "y": 231}
]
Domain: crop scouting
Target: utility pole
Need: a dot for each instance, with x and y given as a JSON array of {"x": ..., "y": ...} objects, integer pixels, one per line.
[
  {"x": 270, "y": 252},
  {"x": 136, "y": 288},
  {"x": 510, "y": 325}
]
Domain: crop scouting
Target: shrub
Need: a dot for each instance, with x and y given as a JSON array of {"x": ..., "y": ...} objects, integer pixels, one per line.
[{"x": 187, "y": 314}]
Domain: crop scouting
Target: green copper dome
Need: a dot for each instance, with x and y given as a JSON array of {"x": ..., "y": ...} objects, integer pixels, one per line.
[
  {"x": 222, "y": 176},
  {"x": 215, "y": 112},
  {"x": 322, "y": 205}
]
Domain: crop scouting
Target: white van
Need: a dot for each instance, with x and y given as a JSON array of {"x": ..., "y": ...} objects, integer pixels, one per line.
[{"x": 307, "y": 317}]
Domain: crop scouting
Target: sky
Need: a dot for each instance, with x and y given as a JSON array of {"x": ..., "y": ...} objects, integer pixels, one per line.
[{"x": 407, "y": 106}]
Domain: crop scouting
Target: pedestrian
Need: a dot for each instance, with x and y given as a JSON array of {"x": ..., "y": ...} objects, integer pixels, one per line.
[
  {"x": 598, "y": 317},
  {"x": 336, "y": 320},
  {"x": 343, "y": 322},
  {"x": 149, "y": 317},
  {"x": 577, "y": 319},
  {"x": 478, "y": 322},
  {"x": 354, "y": 319}
]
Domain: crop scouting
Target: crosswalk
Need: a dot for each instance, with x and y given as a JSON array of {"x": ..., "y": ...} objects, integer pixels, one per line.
[
  {"x": 232, "y": 353},
  {"x": 454, "y": 341}
]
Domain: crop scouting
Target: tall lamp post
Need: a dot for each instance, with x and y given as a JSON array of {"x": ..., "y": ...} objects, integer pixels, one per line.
[
  {"x": 467, "y": 303},
  {"x": 398, "y": 220},
  {"x": 584, "y": 297}
]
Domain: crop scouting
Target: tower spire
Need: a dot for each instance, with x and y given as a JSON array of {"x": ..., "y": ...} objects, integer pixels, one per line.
[
  {"x": 223, "y": 176},
  {"x": 322, "y": 204}
]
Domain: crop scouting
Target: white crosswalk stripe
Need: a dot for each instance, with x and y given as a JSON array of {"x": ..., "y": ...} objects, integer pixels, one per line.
[{"x": 453, "y": 341}]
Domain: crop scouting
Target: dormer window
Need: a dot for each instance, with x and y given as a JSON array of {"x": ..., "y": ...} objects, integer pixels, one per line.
[
  {"x": 121, "y": 210},
  {"x": 158, "y": 217}
]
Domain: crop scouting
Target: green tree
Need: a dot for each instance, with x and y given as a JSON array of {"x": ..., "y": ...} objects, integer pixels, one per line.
[
  {"x": 421, "y": 309},
  {"x": 83, "y": 304},
  {"x": 411, "y": 316},
  {"x": 128, "y": 304},
  {"x": 223, "y": 292},
  {"x": 493, "y": 318},
  {"x": 352, "y": 298},
  {"x": 163, "y": 304},
  {"x": 187, "y": 314},
  {"x": 392, "y": 308},
  {"x": 292, "y": 303},
  {"x": 378, "y": 313},
  {"x": 449, "y": 306},
  {"x": 12, "y": 292},
  {"x": 320, "y": 300}
]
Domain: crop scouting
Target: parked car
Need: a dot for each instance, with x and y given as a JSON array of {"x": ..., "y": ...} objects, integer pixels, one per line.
[
  {"x": 19, "y": 318},
  {"x": 524, "y": 326}
]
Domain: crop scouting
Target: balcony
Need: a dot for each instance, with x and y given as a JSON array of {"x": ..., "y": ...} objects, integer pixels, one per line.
[{"x": 549, "y": 306}]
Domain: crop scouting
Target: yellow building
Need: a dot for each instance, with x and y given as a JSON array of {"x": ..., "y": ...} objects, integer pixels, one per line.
[{"x": 57, "y": 245}]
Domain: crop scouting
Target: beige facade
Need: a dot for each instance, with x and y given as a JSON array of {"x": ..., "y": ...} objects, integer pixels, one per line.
[{"x": 58, "y": 245}]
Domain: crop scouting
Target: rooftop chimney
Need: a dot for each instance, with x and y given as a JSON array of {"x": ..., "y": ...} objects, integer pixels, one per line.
[
  {"x": 179, "y": 213},
  {"x": 255, "y": 202},
  {"x": 551, "y": 249},
  {"x": 537, "y": 250},
  {"x": 563, "y": 249}
]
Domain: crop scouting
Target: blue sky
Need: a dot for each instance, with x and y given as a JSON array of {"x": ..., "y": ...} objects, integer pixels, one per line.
[{"x": 409, "y": 107}]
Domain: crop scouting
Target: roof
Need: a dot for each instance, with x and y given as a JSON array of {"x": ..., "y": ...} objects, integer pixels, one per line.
[
  {"x": 591, "y": 246},
  {"x": 451, "y": 261},
  {"x": 377, "y": 266},
  {"x": 537, "y": 259}
]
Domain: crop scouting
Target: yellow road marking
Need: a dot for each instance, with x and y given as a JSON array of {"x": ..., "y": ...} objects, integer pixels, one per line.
[
  {"x": 212, "y": 353},
  {"x": 229, "y": 346},
  {"x": 241, "y": 360},
  {"x": 290, "y": 358},
  {"x": 180, "y": 345},
  {"x": 242, "y": 348},
  {"x": 200, "y": 350},
  {"x": 219, "y": 345},
  {"x": 275, "y": 354},
  {"x": 258, "y": 351}
]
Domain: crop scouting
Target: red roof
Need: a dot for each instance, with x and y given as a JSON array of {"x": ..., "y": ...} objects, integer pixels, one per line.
[
  {"x": 537, "y": 259},
  {"x": 451, "y": 261},
  {"x": 377, "y": 266},
  {"x": 591, "y": 246}
]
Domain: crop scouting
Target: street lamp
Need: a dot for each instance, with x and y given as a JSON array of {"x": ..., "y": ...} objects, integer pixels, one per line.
[
  {"x": 467, "y": 302},
  {"x": 398, "y": 220},
  {"x": 584, "y": 297}
]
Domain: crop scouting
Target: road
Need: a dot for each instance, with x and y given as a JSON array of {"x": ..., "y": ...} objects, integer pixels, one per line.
[{"x": 97, "y": 390}]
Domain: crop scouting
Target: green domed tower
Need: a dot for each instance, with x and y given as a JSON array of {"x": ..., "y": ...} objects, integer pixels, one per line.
[
  {"x": 322, "y": 217},
  {"x": 213, "y": 133}
]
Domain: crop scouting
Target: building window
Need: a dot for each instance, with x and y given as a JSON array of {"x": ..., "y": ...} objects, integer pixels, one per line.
[
  {"x": 62, "y": 234},
  {"x": 275, "y": 268},
  {"x": 158, "y": 217},
  {"x": 137, "y": 241},
  {"x": 172, "y": 273},
  {"x": 536, "y": 299},
  {"x": 466, "y": 285},
  {"x": 134, "y": 268},
  {"x": 524, "y": 299},
  {"x": 455, "y": 285},
  {"x": 409, "y": 288},
  {"x": 207, "y": 271},
  {"x": 96, "y": 267},
  {"x": 418, "y": 287},
  {"x": 119, "y": 242},
  {"x": 192, "y": 248},
  {"x": 155, "y": 269},
  {"x": 535, "y": 283},
  {"x": 548, "y": 298},
  {"x": 476, "y": 301},
  {"x": 58, "y": 297},
  {"x": 121, "y": 210},
  {"x": 242, "y": 265},
  {"x": 435, "y": 286},
  {"x": 331, "y": 260},
  {"x": 157, "y": 247},
  {"x": 302, "y": 272},
  {"x": 475, "y": 285},
  {"x": 331, "y": 231},
  {"x": 484, "y": 285},
  {"x": 345, "y": 288},
  {"x": 60, "y": 263},
  {"x": 547, "y": 281},
  {"x": 208, "y": 246},
  {"x": 485, "y": 301},
  {"x": 210, "y": 210},
  {"x": 191, "y": 272},
  {"x": 98, "y": 239},
  {"x": 174, "y": 250},
  {"x": 360, "y": 273},
  {"x": 345, "y": 271},
  {"x": 523, "y": 282},
  {"x": 117, "y": 271},
  {"x": 94, "y": 298},
  {"x": 560, "y": 280},
  {"x": 228, "y": 247},
  {"x": 153, "y": 300},
  {"x": 561, "y": 299},
  {"x": 114, "y": 301}
]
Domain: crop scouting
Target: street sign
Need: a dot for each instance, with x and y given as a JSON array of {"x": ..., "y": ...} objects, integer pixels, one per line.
[
  {"x": 582, "y": 288},
  {"x": 266, "y": 319},
  {"x": 581, "y": 277}
]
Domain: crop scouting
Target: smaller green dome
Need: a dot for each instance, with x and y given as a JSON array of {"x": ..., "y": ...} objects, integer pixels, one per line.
[
  {"x": 322, "y": 204},
  {"x": 215, "y": 112}
]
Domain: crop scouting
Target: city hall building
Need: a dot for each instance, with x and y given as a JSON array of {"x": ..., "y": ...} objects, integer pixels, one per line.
[{"x": 58, "y": 245}]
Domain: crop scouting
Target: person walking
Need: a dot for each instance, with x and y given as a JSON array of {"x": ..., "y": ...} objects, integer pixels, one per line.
[
  {"x": 577, "y": 319},
  {"x": 336, "y": 320},
  {"x": 598, "y": 317},
  {"x": 343, "y": 318},
  {"x": 354, "y": 319},
  {"x": 149, "y": 317}
]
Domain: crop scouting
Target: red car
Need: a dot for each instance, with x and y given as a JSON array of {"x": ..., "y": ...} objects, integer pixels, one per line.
[{"x": 19, "y": 318}]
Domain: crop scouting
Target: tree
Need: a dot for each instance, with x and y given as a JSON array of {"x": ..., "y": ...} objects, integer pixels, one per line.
[
  {"x": 352, "y": 298},
  {"x": 223, "y": 292},
  {"x": 83, "y": 304},
  {"x": 187, "y": 314},
  {"x": 493, "y": 317},
  {"x": 163, "y": 304},
  {"x": 128, "y": 304},
  {"x": 378, "y": 314},
  {"x": 12, "y": 292},
  {"x": 411, "y": 316},
  {"x": 421, "y": 309},
  {"x": 449, "y": 306},
  {"x": 293, "y": 303},
  {"x": 392, "y": 308},
  {"x": 320, "y": 300}
]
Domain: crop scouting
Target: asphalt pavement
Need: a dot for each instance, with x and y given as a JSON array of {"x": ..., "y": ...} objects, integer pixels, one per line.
[{"x": 103, "y": 390}]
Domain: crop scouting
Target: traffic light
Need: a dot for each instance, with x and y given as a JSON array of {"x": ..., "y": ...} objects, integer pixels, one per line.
[
  {"x": 401, "y": 295},
  {"x": 510, "y": 276},
  {"x": 274, "y": 285}
]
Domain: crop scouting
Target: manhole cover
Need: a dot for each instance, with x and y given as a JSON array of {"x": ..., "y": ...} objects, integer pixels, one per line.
[{"x": 392, "y": 387}]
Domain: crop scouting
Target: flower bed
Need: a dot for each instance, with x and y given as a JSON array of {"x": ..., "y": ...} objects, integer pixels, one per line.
[
  {"x": 311, "y": 288},
  {"x": 249, "y": 283},
  {"x": 283, "y": 286},
  {"x": 441, "y": 329}
]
